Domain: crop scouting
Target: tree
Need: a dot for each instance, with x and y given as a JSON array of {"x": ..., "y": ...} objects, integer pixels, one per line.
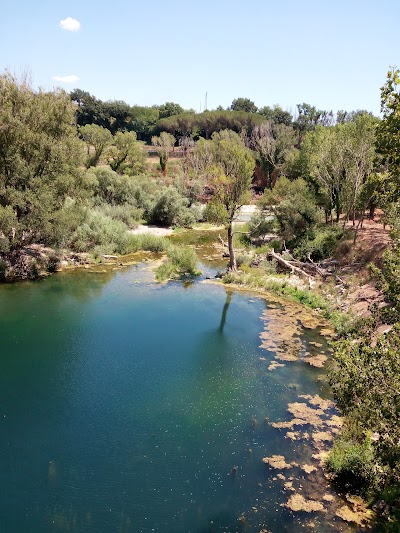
[
  {"x": 340, "y": 160},
  {"x": 230, "y": 167},
  {"x": 244, "y": 104},
  {"x": 126, "y": 154},
  {"x": 309, "y": 117},
  {"x": 272, "y": 143},
  {"x": 276, "y": 114},
  {"x": 97, "y": 139},
  {"x": 39, "y": 161},
  {"x": 388, "y": 135},
  {"x": 170, "y": 109},
  {"x": 163, "y": 145}
]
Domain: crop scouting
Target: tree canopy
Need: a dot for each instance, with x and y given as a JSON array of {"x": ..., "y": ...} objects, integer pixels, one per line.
[{"x": 39, "y": 158}]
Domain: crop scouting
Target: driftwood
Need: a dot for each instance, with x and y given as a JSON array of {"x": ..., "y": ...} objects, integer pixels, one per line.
[
  {"x": 289, "y": 265},
  {"x": 306, "y": 270}
]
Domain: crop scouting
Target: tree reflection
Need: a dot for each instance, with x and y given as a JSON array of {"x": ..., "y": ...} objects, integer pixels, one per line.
[{"x": 225, "y": 310}]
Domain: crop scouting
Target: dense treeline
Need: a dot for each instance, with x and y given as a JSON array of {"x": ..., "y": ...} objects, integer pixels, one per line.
[
  {"x": 76, "y": 189},
  {"x": 171, "y": 117}
]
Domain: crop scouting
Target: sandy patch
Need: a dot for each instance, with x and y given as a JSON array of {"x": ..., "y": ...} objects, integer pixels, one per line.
[{"x": 151, "y": 230}]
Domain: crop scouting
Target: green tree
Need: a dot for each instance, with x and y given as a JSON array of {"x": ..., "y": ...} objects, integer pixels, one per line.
[
  {"x": 126, "y": 154},
  {"x": 39, "y": 161},
  {"x": 163, "y": 144},
  {"x": 230, "y": 167},
  {"x": 340, "y": 159},
  {"x": 276, "y": 114},
  {"x": 97, "y": 139},
  {"x": 388, "y": 136},
  {"x": 308, "y": 118},
  {"x": 170, "y": 109},
  {"x": 244, "y": 104},
  {"x": 272, "y": 144}
]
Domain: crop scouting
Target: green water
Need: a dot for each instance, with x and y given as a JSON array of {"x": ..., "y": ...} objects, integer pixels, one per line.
[{"x": 124, "y": 406}]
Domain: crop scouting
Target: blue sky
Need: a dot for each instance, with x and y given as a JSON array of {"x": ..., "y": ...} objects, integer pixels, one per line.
[{"x": 333, "y": 54}]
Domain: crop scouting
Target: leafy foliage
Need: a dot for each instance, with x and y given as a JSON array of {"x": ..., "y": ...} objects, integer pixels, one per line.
[
  {"x": 39, "y": 158},
  {"x": 294, "y": 207},
  {"x": 163, "y": 144},
  {"x": 181, "y": 261}
]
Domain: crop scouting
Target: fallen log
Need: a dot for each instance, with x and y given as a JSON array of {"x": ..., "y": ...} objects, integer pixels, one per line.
[{"x": 289, "y": 265}]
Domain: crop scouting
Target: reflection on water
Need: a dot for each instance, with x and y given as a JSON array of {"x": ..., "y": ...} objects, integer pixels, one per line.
[{"x": 131, "y": 406}]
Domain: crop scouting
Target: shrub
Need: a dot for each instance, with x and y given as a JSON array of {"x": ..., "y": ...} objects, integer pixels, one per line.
[
  {"x": 181, "y": 261},
  {"x": 294, "y": 207},
  {"x": 3, "y": 270},
  {"x": 171, "y": 210},
  {"x": 126, "y": 213},
  {"x": 353, "y": 464},
  {"x": 320, "y": 243}
]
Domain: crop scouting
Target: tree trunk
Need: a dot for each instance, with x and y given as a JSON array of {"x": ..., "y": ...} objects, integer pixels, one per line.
[
  {"x": 371, "y": 210},
  {"x": 163, "y": 164},
  {"x": 232, "y": 258},
  {"x": 337, "y": 206}
]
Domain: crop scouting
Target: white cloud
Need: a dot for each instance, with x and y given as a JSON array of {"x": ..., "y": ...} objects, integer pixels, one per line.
[
  {"x": 70, "y": 24},
  {"x": 66, "y": 79}
]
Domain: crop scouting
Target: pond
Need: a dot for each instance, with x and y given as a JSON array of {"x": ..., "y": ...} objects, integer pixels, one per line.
[{"x": 132, "y": 406}]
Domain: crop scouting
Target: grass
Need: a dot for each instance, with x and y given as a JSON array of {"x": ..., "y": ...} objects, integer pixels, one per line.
[
  {"x": 181, "y": 262},
  {"x": 279, "y": 284}
]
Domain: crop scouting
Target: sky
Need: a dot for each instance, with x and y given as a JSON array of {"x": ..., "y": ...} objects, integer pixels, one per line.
[{"x": 333, "y": 54}]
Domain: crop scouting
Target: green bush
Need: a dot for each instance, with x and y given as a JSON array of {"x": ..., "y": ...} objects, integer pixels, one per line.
[
  {"x": 99, "y": 230},
  {"x": 353, "y": 465},
  {"x": 147, "y": 243},
  {"x": 126, "y": 213},
  {"x": 294, "y": 207},
  {"x": 320, "y": 243},
  {"x": 171, "y": 209},
  {"x": 181, "y": 261}
]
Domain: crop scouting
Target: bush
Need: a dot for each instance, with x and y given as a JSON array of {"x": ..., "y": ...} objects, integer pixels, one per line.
[
  {"x": 171, "y": 210},
  {"x": 294, "y": 207},
  {"x": 319, "y": 244},
  {"x": 181, "y": 261},
  {"x": 3, "y": 269},
  {"x": 53, "y": 262},
  {"x": 147, "y": 243},
  {"x": 100, "y": 230},
  {"x": 126, "y": 213},
  {"x": 353, "y": 465}
]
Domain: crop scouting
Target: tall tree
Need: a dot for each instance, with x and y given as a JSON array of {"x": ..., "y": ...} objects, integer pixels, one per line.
[
  {"x": 230, "y": 170},
  {"x": 308, "y": 118},
  {"x": 340, "y": 159},
  {"x": 97, "y": 139},
  {"x": 163, "y": 144},
  {"x": 388, "y": 135},
  {"x": 276, "y": 114},
  {"x": 244, "y": 104},
  {"x": 126, "y": 154},
  {"x": 39, "y": 161},
  {"x": 170, "y": 109},
  {"x": 272, "y": 144}
]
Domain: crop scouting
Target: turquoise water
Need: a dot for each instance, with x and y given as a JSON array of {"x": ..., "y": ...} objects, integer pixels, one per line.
[{"x": 125, "y": 405}]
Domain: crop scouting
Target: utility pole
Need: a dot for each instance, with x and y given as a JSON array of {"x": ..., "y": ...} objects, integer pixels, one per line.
[{"x": 205, "y": 102}]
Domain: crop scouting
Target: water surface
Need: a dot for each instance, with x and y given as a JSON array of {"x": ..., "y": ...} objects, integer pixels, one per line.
[{"x": 125, "y": 405}]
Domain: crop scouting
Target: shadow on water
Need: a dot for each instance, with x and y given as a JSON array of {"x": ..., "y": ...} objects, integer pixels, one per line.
[{"x": 225, "y": 310}]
